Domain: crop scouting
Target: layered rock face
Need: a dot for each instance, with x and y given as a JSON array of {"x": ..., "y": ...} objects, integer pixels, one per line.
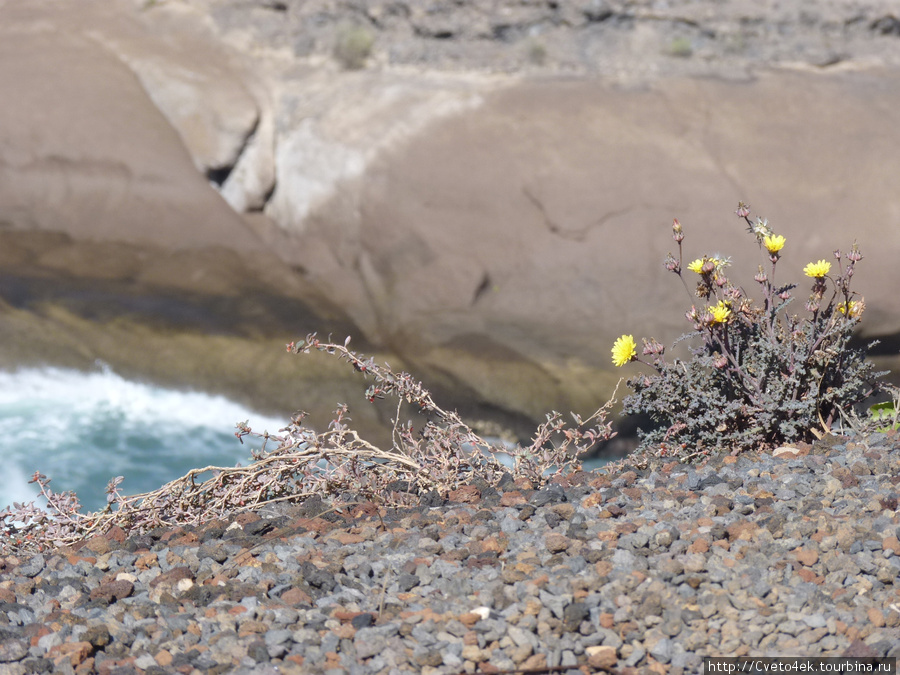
[{"x": 482, "y": 190}]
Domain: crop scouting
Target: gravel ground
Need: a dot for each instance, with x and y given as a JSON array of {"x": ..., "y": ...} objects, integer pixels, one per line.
[{"x": 635, "y": 571}]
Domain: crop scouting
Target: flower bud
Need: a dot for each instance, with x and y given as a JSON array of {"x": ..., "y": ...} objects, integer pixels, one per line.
[
  {"x": 837, "y": 253},
  {"x": 707, "y": 318},
  {"x": 708, "y": 267},
  {"x": 672, "y": 264},
  {"x": 743, "y": 210},
  {"x": 652, "y": 347},
  {"x": 854, "y": 255},
  {"x": 784, "y": 295},
  {"x": 812, "y": 305},
  {"x": 761, "y": 276},
  {"x": 720, "y": 362}
]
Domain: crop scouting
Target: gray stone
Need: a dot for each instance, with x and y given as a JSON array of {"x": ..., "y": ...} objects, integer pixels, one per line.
[
  {"x": 368, "y": 642},
  {"x": 32, "y": 567},
  {"x": 555, "y": 603},
  {"x": 574, "y": 614},
  {"x": 13, "y": 649},
  {"x": 623, "y": 558},
  {"x": 815, "y": 620},
  {"x": 145, "y": 661},
  {"x": 47, "y": 642},
  {"x": 551, "y": 494},
  {"x": 278, "y": 636},
  {"x": 637, "y": 653},
  {"x": 522, "y": 637},
  {"x": 428, "y": 656},
  {"x": 510, "y": 525},
  {"x": 662, "y": 651},
  {"x": 610, "y": 638},
  {"x": 407, "y": 582}
]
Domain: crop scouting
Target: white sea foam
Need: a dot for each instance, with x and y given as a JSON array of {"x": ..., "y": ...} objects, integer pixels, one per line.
[{"x": 81, "y": 429}]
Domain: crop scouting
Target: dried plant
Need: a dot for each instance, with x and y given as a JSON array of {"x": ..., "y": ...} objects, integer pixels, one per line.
[
  {"x": 337, "y": 465},
  {"x": 761, "y": 375}
]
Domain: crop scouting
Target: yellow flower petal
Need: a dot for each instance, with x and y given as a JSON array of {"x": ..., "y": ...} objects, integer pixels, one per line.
[
  {"x": 720, "y": 312},
  {"x": 696, "y": 266},
  {"x": 817, "y": 270},
  {"x": 624, "y": 350},
  {"x": 773, "y": 243}
]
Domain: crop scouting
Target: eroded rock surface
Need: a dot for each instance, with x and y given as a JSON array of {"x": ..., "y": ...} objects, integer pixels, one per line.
[{"x": 488, "y": 196}]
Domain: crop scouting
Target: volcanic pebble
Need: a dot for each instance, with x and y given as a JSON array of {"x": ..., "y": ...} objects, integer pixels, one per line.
[{"x": 641, "y": 570}]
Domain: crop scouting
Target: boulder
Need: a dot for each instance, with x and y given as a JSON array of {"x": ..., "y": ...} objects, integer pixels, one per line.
[
  {"x": 509, "y": 244},
  {"x": 193, "y": 81},
  {"x": 98, "y": 113}
]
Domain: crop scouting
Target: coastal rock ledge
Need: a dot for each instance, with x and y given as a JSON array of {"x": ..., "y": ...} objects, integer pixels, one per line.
[{"x": 479, "y": 191}]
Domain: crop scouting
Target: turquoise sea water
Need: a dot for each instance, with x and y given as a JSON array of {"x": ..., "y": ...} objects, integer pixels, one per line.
[{"x": 81, "y": 429}]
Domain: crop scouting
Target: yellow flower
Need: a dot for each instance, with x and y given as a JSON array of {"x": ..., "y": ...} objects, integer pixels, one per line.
[
  {"x": 696, "y": 266},
  {"x": 817, "y": 270},
  {"x": 720, "y": 312},
  {"x": 773, "y": 243},
  {"x": 624, "y": 350},
  {"x": 853, "y": 309}
]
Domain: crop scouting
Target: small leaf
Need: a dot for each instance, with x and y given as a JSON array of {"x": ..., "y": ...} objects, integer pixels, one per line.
[{"x": 882, "y": 410}]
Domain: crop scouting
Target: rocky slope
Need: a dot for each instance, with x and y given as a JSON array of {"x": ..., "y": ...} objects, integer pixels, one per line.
[{"x": 635, "y": 572}]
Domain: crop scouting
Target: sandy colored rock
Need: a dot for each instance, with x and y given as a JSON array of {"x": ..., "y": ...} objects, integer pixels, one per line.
[
  {"x": 602, "y": 657},
  {"x": 786, "y": 451},
  {"x": 73, "y": 653},
  {"x": 876, "y": 617},
  {"x": 571, "y": 227},
  {"x": 88, "y": 152},
  {"x": 556, "y": 543},
  {"x": 891, "y": 544},
  {"x": 807, "y": 557},
  {"x": 490, "y": 207}
]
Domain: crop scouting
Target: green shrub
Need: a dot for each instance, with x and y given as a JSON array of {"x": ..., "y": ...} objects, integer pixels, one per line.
[
  {"x": 759, "y": 375},
  {"x": 681, "y": 47},
  {"x": 353, "y": 46},
  {"x": 536, "y": 52}
]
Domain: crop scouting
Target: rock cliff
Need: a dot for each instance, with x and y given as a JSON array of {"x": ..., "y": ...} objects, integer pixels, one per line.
[{"x": 481, "y": 189}]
